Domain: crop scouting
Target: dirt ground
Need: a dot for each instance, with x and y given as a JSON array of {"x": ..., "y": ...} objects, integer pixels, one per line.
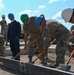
[{"x": 52, "y": 58}]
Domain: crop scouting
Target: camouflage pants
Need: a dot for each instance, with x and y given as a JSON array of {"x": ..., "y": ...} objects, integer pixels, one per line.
[
  {"x": 2, "y": 48},
  {"x": 62, "y": 43},
  {"x": 4, "y": 33},
  {"x": 71, "y": 47},
  {"x": 39, "y": 43}
]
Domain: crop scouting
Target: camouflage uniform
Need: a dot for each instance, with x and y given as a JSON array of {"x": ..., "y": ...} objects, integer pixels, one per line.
[
  {"x": 2, "y": 47},
  {"x": 71, "y": 47},
  {"x": 71, "y": 40},
  {"x": 33, "y": 30},
  {"x": 3, "y": 28},
  {"x": 56, "y": 30}
]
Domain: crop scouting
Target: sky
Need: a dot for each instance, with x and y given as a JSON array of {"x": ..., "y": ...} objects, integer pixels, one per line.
[{"x": 50, "y": 8}]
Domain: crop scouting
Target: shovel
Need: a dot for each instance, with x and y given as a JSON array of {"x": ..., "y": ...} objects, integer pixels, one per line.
[
  {"x": 26, "y": 46},
  {"x": 66, "y": 66},
  {"x": 43, "y": 51}
]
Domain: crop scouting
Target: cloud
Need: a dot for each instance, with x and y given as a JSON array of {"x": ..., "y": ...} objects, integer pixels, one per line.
[
  {"x": 36, "y": 11},
  {"x": 42, "y": 6},
  {"x": 33, "y": 12},
  {"x": 57, "y": 16},
  {"x": 51, "y": 1},
  {"x": 1, "y": 5},
  {"x": 30, "y": 12},
  {"x": 25, "y": 12}
]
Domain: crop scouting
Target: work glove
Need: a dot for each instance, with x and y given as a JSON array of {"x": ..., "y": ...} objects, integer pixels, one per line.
[{"x": 70, "y": 44}]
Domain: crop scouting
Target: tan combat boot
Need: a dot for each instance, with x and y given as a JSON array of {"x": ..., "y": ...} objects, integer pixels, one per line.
[{"x": 54, "y": 65}]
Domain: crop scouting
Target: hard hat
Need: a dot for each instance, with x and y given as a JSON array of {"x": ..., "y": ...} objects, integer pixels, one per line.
[
  {"x": 67, "y": 14},
  {"x": 3, "y": 16},
  {"x": 38, "y": 20},
  {"x": 24, "y": 18},
  {"x": 10, "y": 16}
]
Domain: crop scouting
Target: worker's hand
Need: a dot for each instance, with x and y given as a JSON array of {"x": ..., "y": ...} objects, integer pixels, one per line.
[{"x": 70, "y": 43}]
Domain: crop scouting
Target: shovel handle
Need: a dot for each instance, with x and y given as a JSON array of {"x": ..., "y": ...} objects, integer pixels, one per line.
[
  {"x": 43, "y": 51},
  {"x": 27, "y": 46},
  {"x": 72, "y": 53}
]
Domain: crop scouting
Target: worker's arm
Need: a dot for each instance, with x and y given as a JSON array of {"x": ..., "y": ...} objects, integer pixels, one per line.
[
  {"x": 25, "y": 38},
  {"x": 25, "y": 34},
  {"x": 43, "y": 23}
]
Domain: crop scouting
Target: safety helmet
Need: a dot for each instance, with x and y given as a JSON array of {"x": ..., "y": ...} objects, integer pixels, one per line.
[
  {"x": 24, "y": 18},
  {"x": 38, "y": 20},
  {"x": 3, "y": 16},
  {"x": 10, "y": 16},
  {"x": 67, "y": 14}
]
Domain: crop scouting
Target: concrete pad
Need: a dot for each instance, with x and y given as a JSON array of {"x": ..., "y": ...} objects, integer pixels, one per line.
[{"x": 52, "y": 57}]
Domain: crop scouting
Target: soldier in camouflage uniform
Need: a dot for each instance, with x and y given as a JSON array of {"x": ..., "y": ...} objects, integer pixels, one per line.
[
  {"x": 58, "y": 31},
  {"x": 30, "y": 27},
  {"x": 3, "y": 24},
  {"x": 2, "y": 47},
  {"x": 71, "y": 41},
  {"x": 41, "y": 22},
  {"x": 68, "y": 16}
]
